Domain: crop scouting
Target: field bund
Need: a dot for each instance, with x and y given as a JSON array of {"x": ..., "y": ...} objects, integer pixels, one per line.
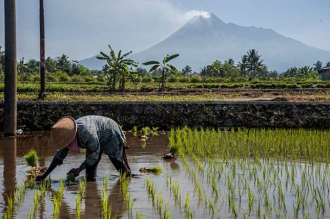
[{"x": 38, "y": 116}]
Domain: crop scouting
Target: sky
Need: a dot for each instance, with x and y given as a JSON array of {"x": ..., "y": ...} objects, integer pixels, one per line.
[{"x": 83, "y": 28}]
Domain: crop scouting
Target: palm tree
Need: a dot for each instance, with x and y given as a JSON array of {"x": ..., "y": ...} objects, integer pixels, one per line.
[
  {"x": 64, "y": 64},
  {"x": 216, "y": 69},
  {"x": 318, "y": 65},
  {"x": 230, "y": 62},
  {"x": 186, "y": 70},
  {"x": 243, "y": 65},
  {"x": 22, "y": 67},
  {"x": 328, "y": 65},
  {"x": 255, "y": 63},
  {"x": 116, "y": 64},
  {"x": 165, "y": 66},
  {"x": 51, "y": 65}
]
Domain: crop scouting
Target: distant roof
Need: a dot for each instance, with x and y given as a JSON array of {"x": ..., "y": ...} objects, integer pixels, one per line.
[{"x": 322, "y": 70}]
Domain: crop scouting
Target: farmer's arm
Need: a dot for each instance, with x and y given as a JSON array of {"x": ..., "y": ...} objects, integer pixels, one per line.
[
  {"x": 57, "y": 161},
  {"x": 92, "y": 144}
]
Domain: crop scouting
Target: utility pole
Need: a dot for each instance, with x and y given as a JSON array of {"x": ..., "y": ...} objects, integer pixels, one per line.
[
  {"x": 10, "y": 120},
  {"x": 42, "y": 51}
]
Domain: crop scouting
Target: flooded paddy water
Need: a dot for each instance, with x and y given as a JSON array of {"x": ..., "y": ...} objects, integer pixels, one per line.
[{"x": 244, "y": 173}]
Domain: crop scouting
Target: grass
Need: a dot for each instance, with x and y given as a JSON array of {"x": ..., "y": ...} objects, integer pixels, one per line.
[
  {"x": 217, "y": 95},
  {"x": 31, "y": 158}
]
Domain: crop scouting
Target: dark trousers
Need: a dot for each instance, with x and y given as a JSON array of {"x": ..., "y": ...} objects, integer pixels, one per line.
[{"x": 121, "y": 167}]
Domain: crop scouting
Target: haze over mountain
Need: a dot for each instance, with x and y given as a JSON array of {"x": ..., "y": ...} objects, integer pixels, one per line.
[{"x": 206, "y": 38}]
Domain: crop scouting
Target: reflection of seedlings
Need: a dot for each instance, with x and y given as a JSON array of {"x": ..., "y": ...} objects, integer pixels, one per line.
[
  {"x": 31, "y": 159},
  {"x": 124, "y": 180},
  {"x": 160, "y": 202},
  {"x": 105, "y": 199},
  {"x": 167, "y": 213},
  {"x": 78, "y": 204},
  {"x": 156, "y": 170},
  {"x": 139, "y": 215},
  {"x": 143, "y": 144},
  {"x": 176, "y": 191},
  {"x": 10, "y": 207},
  {"x": 151, "y": 188},
  {"x": 57, "y": 199}
]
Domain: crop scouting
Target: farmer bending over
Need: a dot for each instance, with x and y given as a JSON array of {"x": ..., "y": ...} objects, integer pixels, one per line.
[{"x": 97, "y": 135}]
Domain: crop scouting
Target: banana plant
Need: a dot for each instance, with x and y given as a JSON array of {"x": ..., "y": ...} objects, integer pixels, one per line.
[
  {"x": 165, "y": 66},
  {"x": 116, "y": 64}
]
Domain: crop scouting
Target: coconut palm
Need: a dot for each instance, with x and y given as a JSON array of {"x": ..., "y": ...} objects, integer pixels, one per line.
[
  {"x": 243, "y": 65},
  {"x": 116, "y": 64},
  {"x": 22, "y": 67},
  {"x": 255, "y": 63},
  {"x": 64, "y": 63},
  {"x": 186, "y": 70},
  {"x": 328, "y": 65},
  {"x": 51, "y": 65},
  {"x": 165, "y": 67}
]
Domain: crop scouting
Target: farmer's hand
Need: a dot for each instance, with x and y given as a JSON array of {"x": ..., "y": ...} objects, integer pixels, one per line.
[
  {"x": 40, "y": 177},
  {"x": 74, "y": 171}
]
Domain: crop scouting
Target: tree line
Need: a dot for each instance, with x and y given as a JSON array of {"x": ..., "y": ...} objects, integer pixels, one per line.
[{"x": 119, "y": 69}]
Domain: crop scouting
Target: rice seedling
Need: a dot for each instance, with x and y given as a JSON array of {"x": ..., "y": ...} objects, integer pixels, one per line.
[
  {"x": 78, "y": 204},
  {"x": 167, "y": 213},
  {"x": 70, "y": 178},
  {"x": 139, "y": 215},
  {"x": 160, "y": 202},
  {"x": 124, "y": 182},
  {"x": 155, "y": 170},
  {"x": 31, "y": 158}
]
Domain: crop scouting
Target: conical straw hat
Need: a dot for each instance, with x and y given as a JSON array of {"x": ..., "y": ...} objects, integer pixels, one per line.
[{"x": 63, "y": 133}]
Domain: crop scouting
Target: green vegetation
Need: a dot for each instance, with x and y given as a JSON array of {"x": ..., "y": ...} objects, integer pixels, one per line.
[
  {"x": 31, "y": 158},
  {"x": 165, "y": 67},
  {"x": 70, "y": 178},
  {"x": 156, "y": 170},
  {"x": 117, "y": 65}
]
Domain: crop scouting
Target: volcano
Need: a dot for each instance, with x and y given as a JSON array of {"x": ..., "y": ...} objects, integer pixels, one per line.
[{"x": 207, "y": 38}]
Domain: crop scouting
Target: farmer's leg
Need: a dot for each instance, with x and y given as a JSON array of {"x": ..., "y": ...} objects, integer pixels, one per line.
[
  {"x": 125, "y": 159},
  {"x": 121, "y": 167},
  {"x": 91, "y": 170}
]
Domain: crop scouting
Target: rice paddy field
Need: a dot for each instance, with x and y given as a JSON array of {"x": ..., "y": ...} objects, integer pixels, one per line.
[{"x": 242, "y": 173}]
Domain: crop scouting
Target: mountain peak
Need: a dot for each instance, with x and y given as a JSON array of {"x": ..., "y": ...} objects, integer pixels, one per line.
[{"x": 206, "y": 18}]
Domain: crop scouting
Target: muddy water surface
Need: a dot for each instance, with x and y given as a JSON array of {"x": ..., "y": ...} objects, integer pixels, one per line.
[{"x": 248, "y": 188}]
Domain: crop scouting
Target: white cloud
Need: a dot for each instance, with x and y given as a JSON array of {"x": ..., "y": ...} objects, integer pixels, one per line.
[{"x": 81, "y": 28}]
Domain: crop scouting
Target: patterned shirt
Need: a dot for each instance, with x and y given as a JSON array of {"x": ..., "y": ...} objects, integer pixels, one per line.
[{"x": 97, "y": 134}]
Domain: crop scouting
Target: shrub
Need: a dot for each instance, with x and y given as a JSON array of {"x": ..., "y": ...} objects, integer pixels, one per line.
[
  {"x": 147, "y": 79},
  {"x": 62, "y": 76},
  {"x": 136, "y": 79},
  {"x": 89, "y": 79},
  {"x": 184, "y": 79},
  {"x": 195, "y": 79},
  {"x": 172, "y": 79},
  {"x": 77, "y": 78}
]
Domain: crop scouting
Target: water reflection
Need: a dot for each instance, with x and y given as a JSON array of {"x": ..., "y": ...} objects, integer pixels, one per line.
[
  {"x": 8, "y": 146},
  {"x": 13, "y": 172}
]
